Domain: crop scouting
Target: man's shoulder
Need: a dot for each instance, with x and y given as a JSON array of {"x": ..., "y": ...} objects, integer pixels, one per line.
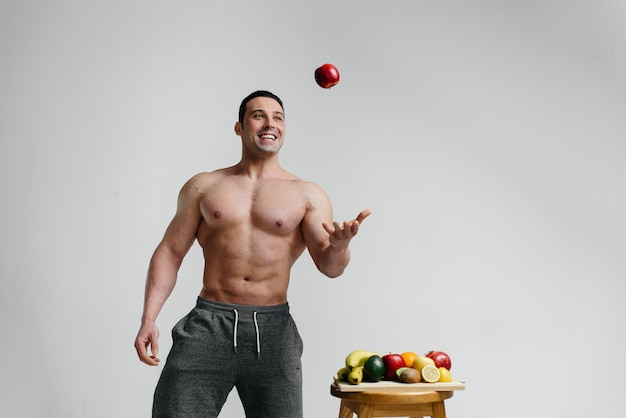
[
  {"x": 311, "y": 190},
  {"x": 199, "y": 183},
  {"x": 207, "y": 177}
]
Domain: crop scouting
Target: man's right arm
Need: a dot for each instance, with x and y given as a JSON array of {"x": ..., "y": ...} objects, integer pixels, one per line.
[{"x": 163, "y": 269}]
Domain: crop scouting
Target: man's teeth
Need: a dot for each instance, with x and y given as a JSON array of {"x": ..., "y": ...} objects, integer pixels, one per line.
[{"x": 267, "y": 136}]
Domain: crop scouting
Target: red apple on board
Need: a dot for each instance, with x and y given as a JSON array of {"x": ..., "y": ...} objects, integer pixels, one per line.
[
  {"x": 327, "y": 76},
  {"x": 440, "y": 358},
  {"x": 392, "y": 363}
]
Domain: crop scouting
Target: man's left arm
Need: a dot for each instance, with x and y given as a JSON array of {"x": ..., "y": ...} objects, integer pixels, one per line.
[
  {"x": 328, "y": 241},
  {"x": 335, "y": 257}
]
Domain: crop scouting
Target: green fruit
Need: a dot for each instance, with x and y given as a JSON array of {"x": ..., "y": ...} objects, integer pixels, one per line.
[
  {"x": 356, "y": 375},
  {"x": 374, "y": 368}
]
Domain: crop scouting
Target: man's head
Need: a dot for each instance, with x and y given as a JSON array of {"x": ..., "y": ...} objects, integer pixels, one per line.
[
  {"x": 261, "y": 123},
  {"x": 258, "y": 93}
]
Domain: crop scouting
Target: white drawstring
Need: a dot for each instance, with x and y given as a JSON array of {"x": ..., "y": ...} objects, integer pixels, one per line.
[
  {"x": 256, "y": 328},
  {"x": 235, "y": 329},
  {"x": 258, "y": 337}
]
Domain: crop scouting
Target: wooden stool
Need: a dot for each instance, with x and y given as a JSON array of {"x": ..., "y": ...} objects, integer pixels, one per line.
[{"x": 391, "y": 404}]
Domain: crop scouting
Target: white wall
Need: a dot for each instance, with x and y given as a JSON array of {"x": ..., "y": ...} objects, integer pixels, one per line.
[{"x": 488, "y": 138}]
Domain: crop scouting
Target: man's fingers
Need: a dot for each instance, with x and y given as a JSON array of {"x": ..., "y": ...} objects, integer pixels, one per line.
[
  {"x": 348, "y": 228},
  {"x": 154, "y": 345},
  {"x": 150, "y": 360},
  {"x": 364, "y": 214},
  {"x": 147, "y": 346},
  {"x": 142, "y": 352}
]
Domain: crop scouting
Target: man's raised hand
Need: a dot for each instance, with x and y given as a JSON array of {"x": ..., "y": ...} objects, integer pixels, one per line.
[{"x": 341, "y": 234}]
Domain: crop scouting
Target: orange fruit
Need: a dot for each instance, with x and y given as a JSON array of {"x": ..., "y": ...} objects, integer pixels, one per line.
[{"x": 409, "y": 357}]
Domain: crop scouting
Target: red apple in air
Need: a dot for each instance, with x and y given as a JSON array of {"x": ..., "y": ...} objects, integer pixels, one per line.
[
  {"x": 327, "y": 76},
  {"x": 392, "y": 363},
  {"x": 440, "y": 358}
]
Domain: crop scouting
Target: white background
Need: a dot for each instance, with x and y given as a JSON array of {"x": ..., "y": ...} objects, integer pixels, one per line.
[{"x": 487, "y": 137}]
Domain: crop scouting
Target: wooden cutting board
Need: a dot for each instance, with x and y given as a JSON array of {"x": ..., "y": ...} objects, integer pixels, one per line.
[{"x": 389, "y": 386}]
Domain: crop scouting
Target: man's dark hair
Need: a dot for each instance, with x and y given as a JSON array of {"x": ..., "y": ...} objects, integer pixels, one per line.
[{"x": 258, "y": 93}]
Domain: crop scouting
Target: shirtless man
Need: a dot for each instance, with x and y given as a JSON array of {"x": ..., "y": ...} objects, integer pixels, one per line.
[{"x": 252, "y": 220}]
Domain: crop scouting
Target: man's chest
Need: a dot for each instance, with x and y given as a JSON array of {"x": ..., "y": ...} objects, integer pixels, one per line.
[{"x": 271, "y": 208}]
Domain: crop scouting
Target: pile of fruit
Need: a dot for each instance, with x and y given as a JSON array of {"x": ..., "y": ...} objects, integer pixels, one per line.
[{"x": 408, "y": 367}]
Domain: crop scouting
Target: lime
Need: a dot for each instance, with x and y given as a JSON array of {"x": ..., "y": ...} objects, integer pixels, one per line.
[
  {"x": 430, "y": 373},
  {"x": 374, "y": 368}
]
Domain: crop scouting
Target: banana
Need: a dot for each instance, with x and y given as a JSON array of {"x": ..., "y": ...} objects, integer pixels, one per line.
[
  {"x": 356, "y": 375},
  {"x": 342, "y": 374},
  {"x": 358, "y": 358}
]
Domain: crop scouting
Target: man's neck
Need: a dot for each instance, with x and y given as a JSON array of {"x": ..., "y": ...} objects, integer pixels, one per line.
[{"x": 259, "y": 168}]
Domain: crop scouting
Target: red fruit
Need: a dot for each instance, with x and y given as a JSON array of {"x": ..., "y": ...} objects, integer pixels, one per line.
[
  {"x": 440, "y": 358},
  {"x": 327, "y": 76},
  {"x": 392, "y": 363}
]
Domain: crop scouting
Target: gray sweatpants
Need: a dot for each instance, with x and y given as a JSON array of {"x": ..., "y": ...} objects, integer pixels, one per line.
[{"x": 218, "y": 346}]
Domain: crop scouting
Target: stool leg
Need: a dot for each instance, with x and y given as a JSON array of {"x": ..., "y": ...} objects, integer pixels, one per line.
[
  {"x": 344, "y": 411},
  {"x": 367, "y": 411},
  {"x": 439, "y": 410}
]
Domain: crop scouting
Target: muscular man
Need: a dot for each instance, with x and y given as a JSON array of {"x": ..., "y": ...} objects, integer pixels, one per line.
[{"x": 253, "y": 220}]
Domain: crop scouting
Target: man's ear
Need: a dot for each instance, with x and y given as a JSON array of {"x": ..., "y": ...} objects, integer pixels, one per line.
[{"x": 238, "y": 128}]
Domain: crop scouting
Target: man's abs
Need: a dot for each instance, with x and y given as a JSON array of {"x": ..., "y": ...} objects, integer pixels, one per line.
[{"x": 246, "y": 290}]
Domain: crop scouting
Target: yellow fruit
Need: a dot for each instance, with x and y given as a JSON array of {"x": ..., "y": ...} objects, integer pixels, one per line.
[
  {"x": 356, "y": 375},
  {"x": 430, "y": 373},
  {"x": 421, "y": 361},
  {"x": 444, "y": 375},
  {"x": 342, "y": 374},
  {"x": 358, "y": 358}
]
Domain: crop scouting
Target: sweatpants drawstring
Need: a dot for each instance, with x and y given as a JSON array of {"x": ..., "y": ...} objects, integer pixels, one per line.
[
  {"x": 256, "y": 329},
  {"x": 235, "y": 329},
  {"x": 258, "y": 337}
]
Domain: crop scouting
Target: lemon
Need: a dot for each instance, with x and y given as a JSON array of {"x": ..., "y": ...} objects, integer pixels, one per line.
[
  {"x": 430, "y": 373},
  {"x": 444, "y": 375}
]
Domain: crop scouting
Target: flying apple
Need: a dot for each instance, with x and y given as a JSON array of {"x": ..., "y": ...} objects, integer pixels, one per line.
[{"x": 327, "y": 76}]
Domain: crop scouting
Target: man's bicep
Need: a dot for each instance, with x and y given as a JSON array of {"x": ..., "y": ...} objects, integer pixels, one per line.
[
  {"x": 181, "y": 232},
  {"x": 315, "y": 236}
]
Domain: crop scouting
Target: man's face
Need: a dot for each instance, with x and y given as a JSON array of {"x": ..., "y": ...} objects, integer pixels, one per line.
[{"x": 263, "y": 125}]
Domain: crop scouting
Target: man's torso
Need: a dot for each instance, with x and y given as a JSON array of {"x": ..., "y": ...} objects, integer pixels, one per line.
[{"x": 250, "y": 235}]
